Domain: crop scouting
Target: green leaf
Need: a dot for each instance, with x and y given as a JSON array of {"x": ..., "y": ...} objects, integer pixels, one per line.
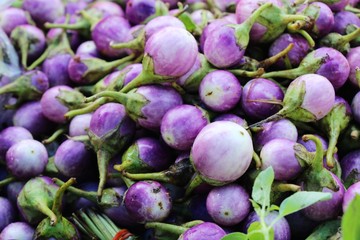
[
  {"x": 262, "y": 187},
  {"x": 350, "y": 223},
  {"x": 301, "y": 200},
  {"x": 235, "y": 236},
  {"x": 254, "y": 231},
  {"x": 273, "y": 208},
  {"x": 187, "y": 21}
]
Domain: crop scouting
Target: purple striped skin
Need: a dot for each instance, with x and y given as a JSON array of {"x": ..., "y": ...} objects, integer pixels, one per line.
[
  {"x": 260, "y": 89},
  {"x": 73, "y": 159},
  {"x": 7, "y": 213},
  {"x": 203, "y": 231},
  {"x": 17, "y": 230},
  {"x": 351, "y": 163},
  {"x": 282, "y": 128},
  {"x": 132, "y": 71},
  {"x": 349, "y": 195},
  {"x": 160, "y": 22},
  {"x": 10, "y": 136},
  {"x": 173, "y": 51},
  {"x": 107, "y": 8},
  {"x": 296, "y": 54},
  {"x": 280, "y": 154},
  {"x": 343, "y": 19},
  {"x": 281, "y": 227},
  {"x": 223, "y": 140},
  {"x": 232, "y": 118},
  {"x": 111, "y": 29},
  {"x": 180, "y": 126},
  {"x": 336, "y": 68},
  {"x": 79, "y": 125},
  {"x": 35, "y": 37},
  {"x": 43, "y": 11},
  {"x": 56, "y": 68},
  {"x": 88, "y": 48},
  {"x": 209, "y": 28},
  {"x": 353, "y": 58},
  {"x": 222, "y": 207},
  {"x": 30, "y": 116},
  {"x": 160, "y": 100},
  {"x": 147, "y": 201},
  {"x": 26, "y": 159},
  {"x": 52, "y": 108},
  {"x": 220, "y": 90},
  {"x": 339, "y": 5},
  {"x": 328, "y": 209},
  {"x": 355, "y": 107},
  {"x": 138, "y": 10},
  {"x": 10, "y": 18}
]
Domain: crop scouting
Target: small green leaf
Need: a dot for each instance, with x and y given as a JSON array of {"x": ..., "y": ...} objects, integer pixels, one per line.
[
  {"x": 273, "y": 208},
  {"x": 187, "y": 21},
  {"x": 235, "y": 236},
  {"x": 350, "y": 223},
  {"x": 254, "y": 231},
  {"x": 301, "y": 200},
  {"x": 262, "y": 187}
]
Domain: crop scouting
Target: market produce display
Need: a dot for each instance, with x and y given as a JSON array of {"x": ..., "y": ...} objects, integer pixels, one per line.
[{"x": 189, "y": 120}]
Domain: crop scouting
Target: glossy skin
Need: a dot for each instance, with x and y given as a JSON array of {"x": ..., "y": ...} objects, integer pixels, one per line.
[
  {"x": 7, "y": 213},
  {"x": 232, "y": 118},
  {"x": 88, "y": 48},
  {"x": 26, "y": 159},
  {"x": 211, "y": 27},
  {"x": 296, "y": 54},
  {"x": 10, "y": 18},
  {"x": 281, "y": 227},
  {"x": 349, "y": 195},
  {"x": 283, "y": 128},
  {"x": 279, "y": 153},
  {"x": 138, "y": 10},
  {"x": 180, "y": 126},
  {"x": 223, "y": 140},
  {"x": 339, "y": 5},
  {"x": 258, "y": 89},
  {"x": 355, "y": 107},
  {"x": 222, "y": 207},
  {"x": 220, "y": 90},
  {"x": 183, "y": 52},
  {"x": 161, "y": 22},
  {"x": 111, "y": 29},
  {"x": 107, "y": 8},
  {"x": 79, "y": 125},
  {"x": 43, "y": 11},
  {"x": 52, "y": 108},
  {"x": 328, "y": 209},
  {"x": 56, "y": 68},
  {"x": 351, "y": 163},
  {"x": 160, "y": 100},
  {"x": 73, "y": 159},
  {"x": 343, "y": 19},
  {"x": 17, "y": 230},
  {"x": 11, "y": 135},
  {"x": 203, "y": 231},
  {"x": 353, "y": 58},
  {"x": 147, "y": 201},
  {"x": 31, "y": 117}
]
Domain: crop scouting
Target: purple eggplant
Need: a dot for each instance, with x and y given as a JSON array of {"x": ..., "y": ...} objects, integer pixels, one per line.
[
  {"x": 73, "y": 159},
  {"x": 88, "y": 48},
  {"x": 324, "y": 61},
  {"x": 145, "y": 155},
  {"x": 79, "y": 125},
  {"x": 26, "y": 159},
  {"x": 7, "y": 213},
  {"x": 36, "y": 198},
  {"x": 13, "y": 189},
  {"x": 349, "y": 195},
  {"x": 43, "y": 11},
  {"x": 161, "y": 65},
  {"x": 17, "y": 230},
  {"x": 281, "y": 227},
  {"x": 139, "y": 10},
  {"x": 283, "y": 128},
  {"x": 353, "y": 58},
  {"x": 345, "y": 20},
  {"x": 226, "y": 44},
  {"x": 355, "y": 107},
  {"x": 350, "y": 167},
  {"x": 10, "y": 136},
  {"x": 110, "y": 131},
  {"x": 30, "y": 41},
  {"x": 220, "y": 91},
  {"x": 222, "y": 207},
  {"x": 72, "y": 7},
  {"x": 254, "y": 92},
  {"x": 338, "y": 5},
  {"x": 203, "y": 231},
  {"x": 180, "y": 126},
  {"x": 232, "y": 118},
  {"x": 11, "y": 18},
  {"x": 147, "y": 201}
]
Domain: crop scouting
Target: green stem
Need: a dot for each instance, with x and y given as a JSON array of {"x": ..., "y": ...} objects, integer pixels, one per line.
[
  {"x": 333, "y": 138},
  {"x": 87, "y": 109},
  {"x": 288, "y": 18},
  {"x": 192, "y": 223},
  {"x": 274, "y": 117},
  {"x": 90, "y": 224},
  {"x": 317, "y": 162},
  {"x": 42, "y": 58},
  {"x": 285, "y": 187},
  {"x": 6, "y": 181},
  {"x": 55, "y": 135},
  {"x": 128, "y": 182},
  {"x": 244, "y": 73},
  {"x": 109, "y": 66},
  {"x": 195, "y": 182},
  {"x": 103, "y": 158},
  {"x": 24, "y": 45},
  {"x": 80, "y": 25},
  {"x": 157, "y": 176},
  {"x": 349, "y": 37},
  {"x": 166, "y": 227},
  {"x": 119, "y": 97},
  {"x": 78, "y": 192},
  {"x": 273, "y": 59},
  {"x": 257, "y": 160},
  {"x": 357, "y": 75},
  {"x": 47, "y": 211},
  {"x": 352, "y": 9},
  {"x": 99, "y": 224},
  {"x": 56, "y": 207},
  {"x": 308, "y": 38},
  {"x": 135, "y": 44},
  {"x": 12, "y": 87}
]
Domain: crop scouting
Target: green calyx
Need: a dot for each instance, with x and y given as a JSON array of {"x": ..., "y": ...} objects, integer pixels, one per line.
[
  {"x": 23, "y": 41},
  {"x": 71, "y": 99},
  {"x": 131, "y": 161},
  {"x": 338, "y": 41}
]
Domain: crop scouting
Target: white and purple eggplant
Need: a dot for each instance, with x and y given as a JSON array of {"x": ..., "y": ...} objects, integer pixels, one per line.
[{"x": 17, "y": 230}]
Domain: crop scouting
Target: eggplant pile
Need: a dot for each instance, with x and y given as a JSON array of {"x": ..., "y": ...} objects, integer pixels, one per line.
[{"x": 189, "y": 120}]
